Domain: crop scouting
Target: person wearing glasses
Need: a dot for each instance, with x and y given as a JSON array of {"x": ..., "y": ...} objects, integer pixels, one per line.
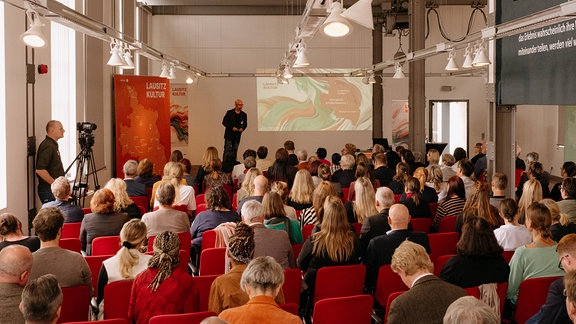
[{"x": 235, "y": 122}]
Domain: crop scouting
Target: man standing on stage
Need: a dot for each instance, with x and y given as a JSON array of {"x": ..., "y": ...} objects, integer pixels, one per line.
[
  {"x": 48, "y": 163},
  {"x": 235, "y": 122}
]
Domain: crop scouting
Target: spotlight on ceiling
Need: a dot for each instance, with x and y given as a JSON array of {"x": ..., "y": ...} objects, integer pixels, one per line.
[
  {"x": 360, "y": 13},
  {"x": 287, "y": 73},
  {"x": 468, "y": 57},
  {"x": 127, "y": 56},
  {"x": 399, "y": 73},
  {"x": 164, "y": 73},
  {"x": 451, "y": 66},
  {"x": 34, "y": 36},
  {"x": 481, "y": 59},
  {"x": 336, "y": 25},
  {"x": 171, "y": 74},
  {"x": 301, "y": 59},
  {"x": 116, "y": 54}
]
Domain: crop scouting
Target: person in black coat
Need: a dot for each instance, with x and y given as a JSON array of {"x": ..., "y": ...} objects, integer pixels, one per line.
[
  {"x": 377, "y": 225},
  {"x": 235, "y": 122},
  {"x": 381, "y": 248},
  {"x": 382, "y": 172}
]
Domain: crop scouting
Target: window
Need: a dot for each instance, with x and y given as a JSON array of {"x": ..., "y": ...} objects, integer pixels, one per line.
[
  {"x": 63, "y": 52},
  {"x": 449, "y": 123},
  {"x": 3, "y": 156}
]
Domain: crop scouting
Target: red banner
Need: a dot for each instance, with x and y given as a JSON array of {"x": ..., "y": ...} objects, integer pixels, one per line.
[{"x": 142, "y": 107}]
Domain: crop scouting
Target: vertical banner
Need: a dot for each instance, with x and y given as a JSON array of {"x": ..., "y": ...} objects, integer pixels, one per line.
[
  {"x": 400, "y": 126},
  {"x": 142, "y": 107},
  {"x": 179, "y": 117}
]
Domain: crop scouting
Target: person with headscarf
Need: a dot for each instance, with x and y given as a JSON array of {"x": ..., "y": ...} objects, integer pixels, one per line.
[{"x": 163, "y": 288}]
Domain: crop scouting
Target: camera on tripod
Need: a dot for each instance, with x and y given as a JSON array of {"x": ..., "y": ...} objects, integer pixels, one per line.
[{"x": 85, "y": 130}]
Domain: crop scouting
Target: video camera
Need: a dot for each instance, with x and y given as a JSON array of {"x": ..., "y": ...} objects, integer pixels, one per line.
[{"x": 86, "y": 138}]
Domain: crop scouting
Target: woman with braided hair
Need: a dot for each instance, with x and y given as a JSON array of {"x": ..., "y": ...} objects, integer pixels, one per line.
[{"x": 163, "y": 288}]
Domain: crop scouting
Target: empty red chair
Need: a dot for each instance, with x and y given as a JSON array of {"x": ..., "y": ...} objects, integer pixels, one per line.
[
  {"x": 442, "y": 244},
  {"x": 212, "y": 261},
  {"x": 343, "y": 310},
  {"x": 95, "y": 263},
  {"x": 141, "y": 201},
  {"x": 307, "y": 231},
  {"x": 203, "y": 283},
  {"x": 330, "y": 281},
  {"x": 200, "y": 199},
  {"x": 447, "y": 224},
  {"x": 117, "y": 299},
  {"x": 71, "y": 230},
  {"x": 290, "y": 308},
  {"x": 72, "y": 244},
  {"x": 388, "y": 282},
  {"x": 75, "y": 304},
  {"x": 531, "y": 296},
  {"x": 439, "y": 264},
  {"x": 105, "y": 245},
  {"x": 389, "y": 301},
  {"x": 189, "y": 318},
  {"x": 208, "y": 239},
  {"x": 421, "y": 224},
  {"x": 108, "y": 321},
  {"x": 292, "y": 284}
]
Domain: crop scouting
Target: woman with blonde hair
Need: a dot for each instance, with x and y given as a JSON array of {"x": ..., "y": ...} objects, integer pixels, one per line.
[
  {"x": 301, "y": 194},
  {"x": 436, "y": 181},
  {"x": 364, "y": 204},
  {"x": 428, "y": 193},
  {"x": 479, "y": 205},
  {"x": 561, "y": 224},
  {"x": 281, "y": 188},
  {"x": 275, "y": 217},
  {"x": 123, "y": 203},
  {"x": 247, "y": 188},
  {"x": 216, "y": 177},
  {"x": 129, "y": 260},
  {"x": 402, "y": 174},
  {"x": 210, "y": 154},
  {"x": 335, "y": 244},
  {"x": 174, "y": 173},
  {"x": 532, "y": 192},
  {"x": 314, "y": 214}
]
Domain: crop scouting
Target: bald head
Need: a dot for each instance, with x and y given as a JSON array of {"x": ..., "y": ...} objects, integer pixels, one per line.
[
  {"x": 260, "y": 185},
  {"x": 15, "y": 264},
  {"x": 398, "y": 217}
]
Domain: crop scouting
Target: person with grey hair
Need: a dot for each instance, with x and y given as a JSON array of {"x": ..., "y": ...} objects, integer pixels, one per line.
[
  {"x": 262, "y": 280},
  {"x": 377, "y": 225},
  {"x": 470, "y": 310},
  {"x": 166, "y": 218},
  {"x": 346, "y": 174},
  {"x": 61, "y": 191},
  {"x": 42, "y": 300},
  {"x": 303, "y": 163},
  {"x": 133, "y": 188},
  {"x": 269, "y": 242},
  {"x": 446, "y": 166},
  {"x": 15, "y": 265}
]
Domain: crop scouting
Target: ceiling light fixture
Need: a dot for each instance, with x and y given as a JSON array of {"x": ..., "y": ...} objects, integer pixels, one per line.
[
  {"x": 189, "y": 80},
  {"x": 301, "y": 59},
  {"x": 116, "y": 54},
  {"x": 164, "y": 73},
  {"x": 468, "y": 57},
  {"x": 451, "y": 66},
  {"x": 34, "y": 36},
  {"x": 360, "y": 13},
  {"x": 371, "y": 78},
  {"x": 171, "y": 74},
  {"x": 127, "y": 56},
  {"x": 481, "y": 59},
  {"x": 282, "y": 80},
  {"x": 287, "y": 73},
  {"x": 335, "y": 25},
  {"x": 399, "y": 73}
]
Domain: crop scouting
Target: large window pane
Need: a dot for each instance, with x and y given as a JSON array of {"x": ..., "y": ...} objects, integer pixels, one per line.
[{"x": 3, "y": 153}]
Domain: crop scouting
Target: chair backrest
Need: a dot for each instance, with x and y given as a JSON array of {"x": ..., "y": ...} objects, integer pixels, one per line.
[
  {"x": 296, "y": 248},
  {"x": 189, "y": 318},
  {"x": 307, "y": 231},
  {"x": 200, "y": 208},
  {"x": 117, "y": 299},
  {"x": 517, "y": 177},
  {"x": 357, "y": 228},
  {"x": 108, "y": 321},
  {"x": 208, "y": 239},
  {"x": 389, "y": 301},
  {"x": 439, "y": 264},
  {"x": 212, "y": 261},
  {"x": 345, "y": 193},
  {"x": 507, "y": 255},
  {"x": 203, "y": 283},
  {"x": 105, "y": 245},
  {"x": 421, "y": 224},
  {"x": 388, "y": 282},
  {"x": 86, "y": 210},
  {"x": 182, "y": 208},
  {"x": 235, "y": 202},
  {"x": 329, "y": 281},
  {"x": 442, "y": 244},
  {"x": 75, "y": 304},
  {"x": 397, "y": 197},
  {"x": 72, "y": 244},
  {"x": 292, "y": 284},
  {"x": 141, "y": 201},
  {"x": 290, "y": 308},
  {"x": 95, "y": 263},
  {"x": 433, "y": 207},
  {"x": 342, "y": 310},
  {"x": 501, "y": 290},
  {"x": 71, "y": 230},
  {"x": 447, "y": 224},
  {"x": 149, "y": 194},
  {"x": 200, "y": 199},
  {"x": 185, "y": 241},
  {"x": 531, "y": 296}
]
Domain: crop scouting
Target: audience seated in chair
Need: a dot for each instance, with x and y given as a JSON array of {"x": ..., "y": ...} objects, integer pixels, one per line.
[
  {"x": 61, "y": 191},
  {"x": 470, "y": 310},
  {"x": 15, "y": 265},
  {"x": 133, "y": 188},
  {"x": 166, "y": 218},
  {"x": 42, "y": 300}
]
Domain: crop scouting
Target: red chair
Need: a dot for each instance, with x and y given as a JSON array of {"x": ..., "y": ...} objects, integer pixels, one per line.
[
  {"x": 388, "y": 282},
  {"x": 298, "y": 213},
  {"x": 507, "y": 255},
  {"x": 292, "y": 284},
  {"x": 329, "y": 283},
  {"x": 345, "y": 193},
  {"x": 397, "y": 197},
  {"x": 433, "y": 208},
  {"x": 439, "y": 264},
  {"x": 357, "y": 228},
  {"x": 296, "y": 248},
  {"x": 108, "y": 321},
  {"x": 208, "y": 239},
  {"x": 447, "y": 224},
  {"x": 200, "y": 199},
  {"x": 212, "y": 261},
  {"x": 95, "y": 263},
  {"x": 182, "y": 208},
  {"x": 235, "y": 202},
  {"x": 142, "y": 201},
  {"x": 200, "y": 208},
  {"x": 203, "y": 283},
  {"x": 307, "y": 231},
  {"x": 531, "y": 296},
  {"x": 185, "y": 242},
  {"x": 105, "y": 245},
  {"x": 86, "y": 210},
  {"x": 389, "y": 301},
  {"x": 149, "y": 194},
  {"x": 290, "y": 308},
  {"x": 72, "y": 244},
  {"x": 117, "y": 299},
  {"x": 501, "y": 290},
  {"x": 189, "y": 318},
  {"x": 75, "y": 304},
  {"x": 517, "y": 177},
  {"x": 71, "y": 230},
  {"x": 442, "y": 244},
  {"x": 343, "y": 310},
  {"x": 421, "y": 224}
]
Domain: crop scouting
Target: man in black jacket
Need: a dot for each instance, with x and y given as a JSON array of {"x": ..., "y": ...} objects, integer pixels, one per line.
[{"x": 235, "y": 122}]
